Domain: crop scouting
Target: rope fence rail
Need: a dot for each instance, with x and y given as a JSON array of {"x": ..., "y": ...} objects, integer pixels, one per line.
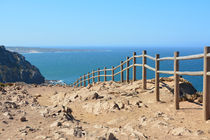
[{"x": 91, "y": 77}]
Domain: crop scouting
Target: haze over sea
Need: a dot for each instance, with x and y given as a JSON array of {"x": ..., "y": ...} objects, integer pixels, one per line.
[{"x": 69, "y": 66}]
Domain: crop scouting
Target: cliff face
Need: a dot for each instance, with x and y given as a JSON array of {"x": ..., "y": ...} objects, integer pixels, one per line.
[{"x": 14, "y": 68}]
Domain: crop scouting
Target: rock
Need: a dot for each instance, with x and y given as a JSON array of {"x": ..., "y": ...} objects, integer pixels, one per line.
[
  {"x": 159, "y": 114},
  {"x": 180, "y": 131},
  {"x": 139, "y": 135},
  {"x": 40, "y": 137},
  {"x": 160, "y": 124},
  {"x": 23, "y": 119},
  {"x": 76, "y": 96},
  {"x": 199, "y": 132},
  {"x": 3, "y": 90},
  {"x": 63, "y": 139},
  {"x": 96, "y": 96},
  {"x": 59, "y": 124},
  {"x": 186, "y": 88},
  {"x": 57, "y": 135},
  {"x": 8, "y": 115},
  {"x": 44, "y": 112},
  {"x": 139, "y": 104},
  {"x": 112, "y": 137},
  {"x": 67, "y": 113},
  {"x": 78, "y": 132},
  {"x": 11, "y": 105},
  {"x": 143, "y": 121},
  {"x": 116, "y": 106},
  {"x": 5, "y": 122},
  {"x": 14, "y": 68}
]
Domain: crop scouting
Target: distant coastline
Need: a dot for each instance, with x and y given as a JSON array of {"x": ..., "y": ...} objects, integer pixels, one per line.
[{"x": 45, "y": 50}]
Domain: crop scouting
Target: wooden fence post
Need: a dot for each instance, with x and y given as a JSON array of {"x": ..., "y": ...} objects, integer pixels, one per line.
[
  {"x": 157, "y": 77},
  {"x": 84, "y": 81},
  {"x": 104, "y": 74},
  {"x": 80, "y": 80},
  {"x": 176, "y": 80},
  {"x": 112, "y": 73},
  {"x": 77, "y": 83},
  {"x": 134, "y": 67},
  {"x": 127, "y": 71},
  {"x": 88, "y": 76},
  {"x": 206, "y": 84},
  {"x": 98, "y": 74},
  {"x": 93, "y": 77},
  {"x": 121, "y": 74},
  {"x": 144, "y": 72}
]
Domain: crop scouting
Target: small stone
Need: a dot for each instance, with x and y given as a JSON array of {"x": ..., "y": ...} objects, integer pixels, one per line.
[
  {"x": 5, "y": 122},
  {"x": 11, "y": 105},
  {"x": 199, "y": 132},
  {"x": 96, "y": 96},
  {"x": 8, "y": 115},
  {"x": 180, "y": 131},
  {"x": 40, "y": 137},
  {"x": 23, "y": 119},
  {"x": 116, "y": 106},
  {"x": 112, "y": 137},
  {"x": 59, "y": 124},
  {"x": 44, "y": 112},
  {"x": 143, "y": 120},
  {"x": 78, "y": 132},
  {"x": 159, "y": 114}
]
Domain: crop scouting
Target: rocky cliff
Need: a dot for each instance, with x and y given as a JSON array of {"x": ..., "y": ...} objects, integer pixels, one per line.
[{"x": 14, "y": 68}]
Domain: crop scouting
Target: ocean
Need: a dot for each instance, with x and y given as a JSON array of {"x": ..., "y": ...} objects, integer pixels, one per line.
[{"x": 69, "y": 66}]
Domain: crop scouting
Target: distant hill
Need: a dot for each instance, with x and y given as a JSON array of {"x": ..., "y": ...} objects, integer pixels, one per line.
[
  {"x": 38, "y": 50},
  {"x": 14, "y": 68}
]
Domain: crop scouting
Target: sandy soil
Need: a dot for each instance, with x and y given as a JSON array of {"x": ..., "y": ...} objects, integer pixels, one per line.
[{"x": 103, "y": 111}]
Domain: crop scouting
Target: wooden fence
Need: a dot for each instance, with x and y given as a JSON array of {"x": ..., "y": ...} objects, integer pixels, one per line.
[{"x": 176, "y": 58}]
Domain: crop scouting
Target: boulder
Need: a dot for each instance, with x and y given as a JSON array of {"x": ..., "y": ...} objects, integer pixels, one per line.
[
  {"x": 14, "y": 68},
  {"x": 186, "y": 88}
]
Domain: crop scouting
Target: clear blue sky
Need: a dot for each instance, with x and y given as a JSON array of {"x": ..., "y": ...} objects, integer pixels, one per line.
[{"x": 105, "y": 22}]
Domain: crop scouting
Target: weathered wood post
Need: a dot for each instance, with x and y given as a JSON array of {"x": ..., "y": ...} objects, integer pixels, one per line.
[
  {"x": 127, "y": 71},
  {"x": 84, "y": 81},
  {"x": 77, "y": 83},
  {"x": 157, "y": 77},
  {"x": 93, "y": 77},
  {"x": 144, "y": 71},
  {"x": 112, "y": 73},
  {"x": 98, "y": 74},
  {"x": 80, "y": 80},
  {"x": 121, "y": 73},
  {"x": 206, "y": 84},
  {"x": 176, "y": 80},
  {"x": 104, "y": 74},
  {"x": 88, "y": 76},
  {"x": 134, "y": 67}
]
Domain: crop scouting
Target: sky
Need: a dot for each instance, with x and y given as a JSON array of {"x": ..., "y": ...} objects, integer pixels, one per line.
[{"x": 167, "y": 23}]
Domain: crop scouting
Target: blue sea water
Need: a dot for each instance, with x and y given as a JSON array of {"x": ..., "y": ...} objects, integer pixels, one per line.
[{"x": 69, "y": 66}]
